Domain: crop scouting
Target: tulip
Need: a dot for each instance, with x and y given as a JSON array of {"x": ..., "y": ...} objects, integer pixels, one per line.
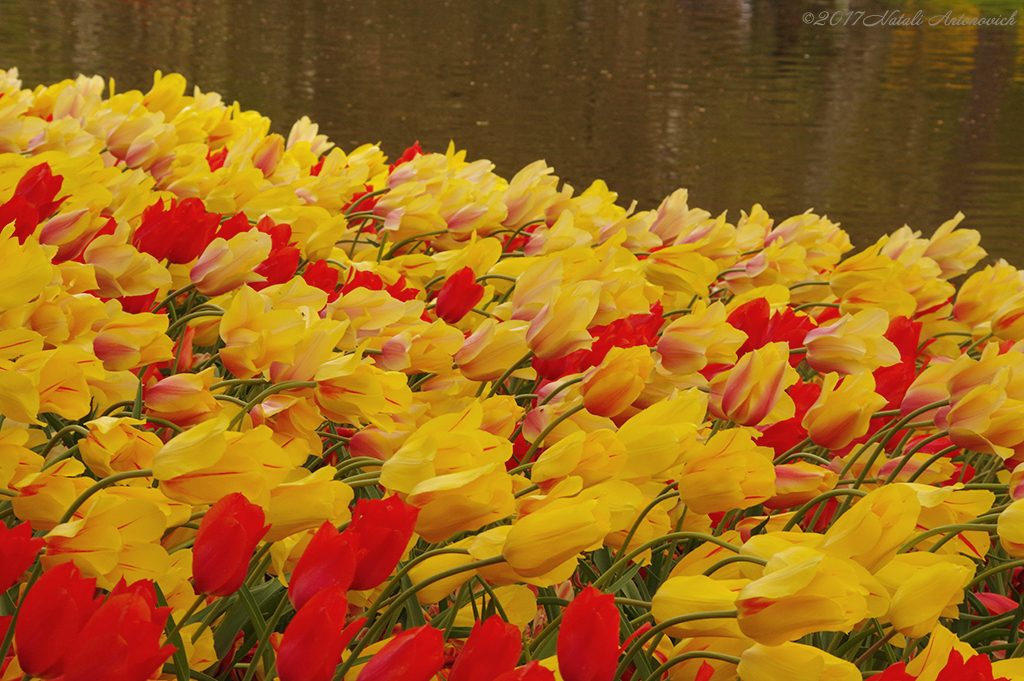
[
  {"x": 178, "y": 233},
  {"x": 840, "y": 415},
  {"x": 703, "y": 337},
  {"x": 122, "y": 638},
  {"x": 414, "y": 655},
  {"x": 458, "y": 296},
  {"x": 692, "y": 594},
  {"x": 18, "y": 551},
  {"x": 619, "y": 379},
  {"x": 924, "y": 587},
  {"x": 115, "y": 445},
  {"x": 729, "y": 471},
  {"x": 853, "y": 345},
  {"x": 541, "y": 541},
  {"x": 227, "y": 536},
  {"x": 588, "y": 640},
  {"x": 492, "y": 649},
  {"x": 754, "y": 391},
  {"x": 804, "y": 591},
  {"x": 560, "y": 326},
  {"x": 226, "y": 265},
  {"x": 315, "y": 638},
  {"x": 384, "y": 528},
  {"x": 328, "y": 561},
  {"x": 793, "y": 662},
  {"x": 875, "y": 527},
  {"x": 51, "y": 615}
]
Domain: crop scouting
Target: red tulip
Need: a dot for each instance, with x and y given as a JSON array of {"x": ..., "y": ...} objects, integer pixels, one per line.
[
  {"x": 17, "y": 552},
  {"x": 122, "y": 639},
  {"x": 493, "y": 647},
  {"x": 530, "y": 672},
  {"x": 224, "y": 544},
  {"x": 315, "y": 638},
  {"x": 52, "y": 613},
  {"x": 413, "y": 655},
  {"x": 328, "y": 561},
  {"x": 458, "y": 296},
  {"x": 588, "y": 641},
  {"x": 179, "y": 233},
  {"x": 384, "y": 528}
]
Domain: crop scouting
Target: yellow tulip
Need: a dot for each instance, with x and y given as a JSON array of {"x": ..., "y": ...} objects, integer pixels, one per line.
[
  {"x": 841, "y": 415},
  {"x": 803, "y": 591},
  {"x": 793, "y": 662},
  {"x": 115, "y": 445},
  {"x": 875, "y": 527},
  {"x": 730, "y": 471},
  {"x": 611, "y": 386},
  {"x": 924, "y": 586},
  {"x": 694, "y": 594},
  {"x": 542, "y": 541}
]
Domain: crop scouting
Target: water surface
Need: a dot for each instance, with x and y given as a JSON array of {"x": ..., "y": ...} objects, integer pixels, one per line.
[{"x": 740, "y": 102}]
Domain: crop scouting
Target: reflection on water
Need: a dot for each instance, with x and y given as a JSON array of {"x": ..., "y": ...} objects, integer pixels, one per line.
[{"x": 739, "y": 101}]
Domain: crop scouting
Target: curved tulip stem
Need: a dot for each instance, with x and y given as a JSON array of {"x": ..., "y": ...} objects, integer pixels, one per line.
[
  {"x": 551, "y": 426},
  {"x": 272, "y": 390},
  {"x": 953, "y": 530},
  {"x": 824, "y": 496},
  {"x": 734, "y": 559},
  {"x": 992, "y": 571},
  {"x": 105, "y": 482},
  {"x": 693, "y": 654},
  {"x": 664, "y": 539},
  {"x": 399, "y": 601},
  {"x": 639, "y": 642},
  {"x": 504, "y": 377}
]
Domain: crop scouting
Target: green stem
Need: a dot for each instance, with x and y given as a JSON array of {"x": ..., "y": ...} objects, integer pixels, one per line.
[{"x": 105, "y": 482}]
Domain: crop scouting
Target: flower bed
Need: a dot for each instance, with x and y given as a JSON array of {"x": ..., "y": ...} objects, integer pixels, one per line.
[{"x": 274, "y": 410}]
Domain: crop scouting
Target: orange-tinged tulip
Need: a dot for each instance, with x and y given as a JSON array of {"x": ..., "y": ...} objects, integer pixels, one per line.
[
  {"x": 797, "y": 483},
  {"x": 793, "y": 662},
  {"x": 730, "y": 471},
  {"x": 490, "y": 350},
  {"x": 702, "y": 337},
  {"x": 875, "y": 527},
  {"x": 595, "y": 456},
  {"x": 491, "y": 543},
  {"x": 611, "y": 386},
  {"x": 955, "y": 252},
  {"x": 133, "y": 340},
  {"x": 560, "y": 327},
  {"x": 842, "y": 414},
  {"x": 692, "y": 594},
  {"x": 226, "y": 265},
  {"x": 804, "y": 591},
  {"x": 541, "y": 541},
  {"x": 44, "y": 496},
  {"x": 853, "y": 345},
  {"x": 754, "y": 391}
]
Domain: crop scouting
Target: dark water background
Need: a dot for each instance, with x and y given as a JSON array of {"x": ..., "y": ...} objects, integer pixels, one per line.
[{"x": 739, "y": 101}]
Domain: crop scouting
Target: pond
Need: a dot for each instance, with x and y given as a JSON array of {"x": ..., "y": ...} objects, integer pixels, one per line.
[{"x": 873, "y": 123}]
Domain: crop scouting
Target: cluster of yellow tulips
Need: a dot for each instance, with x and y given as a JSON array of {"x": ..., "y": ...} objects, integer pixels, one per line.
[{"x": 271, "y": 410}]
